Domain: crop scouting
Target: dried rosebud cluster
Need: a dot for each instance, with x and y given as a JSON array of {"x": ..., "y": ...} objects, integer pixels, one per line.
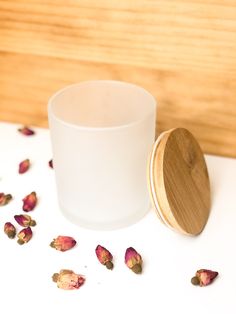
[
  {"x": 204, "y": 277},
  {"x": 63, "y": 243},
  {"x": 29, "y": 202},
  {"x": 104, "y": 256},
  {"x": 26, "y": 131},
  {"x": 5, "y": 199},
  {"x": 24, "y": 166},
  {"x": 10, "y": 230},
  {"x": 133, "y": 260},
  {"x": 68, "y": 280},
  {"x": 25, "y": 234},
  {"x": 25, "y": 221}
]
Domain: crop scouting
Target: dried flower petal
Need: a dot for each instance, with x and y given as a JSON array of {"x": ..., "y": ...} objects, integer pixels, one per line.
[
  {"x": 29, "y": 202},
  {"x": 104, "y": 256},
  {"x": 50, "y": 163},
  {"x": 24, "y": 235},
  {"x": 5, "y": 199},
  {"x": 10, "y": 230},
  {"x": 68, "y": 280},
  {"x": 133, "y": 260},
  {"x": 204, "y": 277},
  {"x": 25, "y": 220},
  {"x": 63, "y": 243},
  {"x": 26, "y": 131},
  {"x": 24, "y": 166}
]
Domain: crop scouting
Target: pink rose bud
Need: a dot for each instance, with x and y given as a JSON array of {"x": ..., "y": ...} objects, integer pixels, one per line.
[
  {"x": 10, "y": 230},
  {"x": 63, "y": 243},
  {"x": 5, "y": 199},
  {"x": 24, "y": 166},
  {"x": 24, "y": 235},
  {"x": 29, "y": 202},
  {"x": 104, "y": 256},
  {"x": 26, "y": 131},
  {"x": 204, "y": 277},
  {"x": 68, "y": 280},
  {"x": 25, "y": 220},
  {"x": 50, "y": 163},
  {"x": 133, "y": 260}
]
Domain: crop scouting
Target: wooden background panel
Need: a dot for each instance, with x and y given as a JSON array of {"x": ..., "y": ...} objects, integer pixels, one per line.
[
  {"x": 150, "y": 33},
  {"x": 184, "y": 52},
  {"x": 205, "y": 105}
]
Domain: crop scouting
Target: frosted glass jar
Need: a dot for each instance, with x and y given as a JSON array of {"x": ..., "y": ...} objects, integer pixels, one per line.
[{"x": 102, "y": 133}]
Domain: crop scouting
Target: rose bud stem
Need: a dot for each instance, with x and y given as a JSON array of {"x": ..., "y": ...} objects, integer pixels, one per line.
[
  {"x": 195, "y": 281},
  {"x": 55, "y": 277}
]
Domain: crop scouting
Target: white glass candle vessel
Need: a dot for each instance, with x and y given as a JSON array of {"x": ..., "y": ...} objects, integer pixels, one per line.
[{"x": 102, "y": 133}]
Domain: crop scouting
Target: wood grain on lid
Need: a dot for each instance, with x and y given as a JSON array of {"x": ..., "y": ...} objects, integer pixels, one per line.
[{"x": 180, "y": 180}]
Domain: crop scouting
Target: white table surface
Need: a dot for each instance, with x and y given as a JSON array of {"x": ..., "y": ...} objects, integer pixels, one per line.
[{"x": 170, "y": 259}]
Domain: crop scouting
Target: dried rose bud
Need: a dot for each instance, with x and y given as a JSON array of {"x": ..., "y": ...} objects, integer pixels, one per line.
[
  {"x": 133, "y": 260},
  {"x": 29, "y": 202},
  {"x": 50, "y": 163},
  {"x": 104, "y": 256},
  {"x": 24, "y": 166},
  {"x": 10, "y": 230},
  {"x": 25, "y": 220},
  {"x": 204, "y": 277},
  {"x": 24, "y": 235},
  {"x": 63, "y": 243},
  {"x": 68, "y": 280},
  {"x": 5, "y": 199},
  {"x": 26, "y": 131}
]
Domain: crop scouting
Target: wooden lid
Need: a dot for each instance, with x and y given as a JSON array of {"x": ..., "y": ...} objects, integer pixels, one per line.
[{"x": 178, "y": 182}]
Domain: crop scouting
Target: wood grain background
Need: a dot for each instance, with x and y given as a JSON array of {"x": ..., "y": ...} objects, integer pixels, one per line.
[{"x": 183, "y": 52}]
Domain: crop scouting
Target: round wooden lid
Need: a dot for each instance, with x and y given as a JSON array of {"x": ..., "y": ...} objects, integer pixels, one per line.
[{"x": 178, "y": 182}]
